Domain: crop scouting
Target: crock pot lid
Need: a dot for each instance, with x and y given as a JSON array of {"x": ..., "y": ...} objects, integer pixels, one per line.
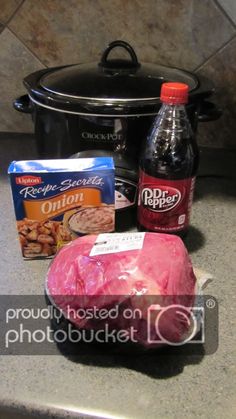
[{"x": 114, "y": 79}]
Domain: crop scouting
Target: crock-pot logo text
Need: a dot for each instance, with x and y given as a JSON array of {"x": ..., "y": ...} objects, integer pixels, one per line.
[
  {"x": 101, "y": 136},
  {"x": 34, "y": 192},
  {"x": 160, "y": 199}
]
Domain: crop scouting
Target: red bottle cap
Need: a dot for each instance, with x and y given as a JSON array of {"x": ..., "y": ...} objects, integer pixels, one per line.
[{"x": 174, "y": 93}]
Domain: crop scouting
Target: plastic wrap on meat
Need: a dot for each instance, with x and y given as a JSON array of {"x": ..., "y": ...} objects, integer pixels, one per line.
[{"x": 131, "y": 278}]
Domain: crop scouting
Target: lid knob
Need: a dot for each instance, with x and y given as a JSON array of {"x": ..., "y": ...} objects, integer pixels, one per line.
[{"x": 119, "y": 63}]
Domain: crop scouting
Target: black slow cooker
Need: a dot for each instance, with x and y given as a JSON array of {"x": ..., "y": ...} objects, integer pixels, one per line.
[{"x": 109, "y": 105}]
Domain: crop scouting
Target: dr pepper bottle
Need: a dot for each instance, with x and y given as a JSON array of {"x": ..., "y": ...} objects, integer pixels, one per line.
[{"x": 168, "y": 166}]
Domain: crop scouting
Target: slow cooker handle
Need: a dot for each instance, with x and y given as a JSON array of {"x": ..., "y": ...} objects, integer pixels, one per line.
[
  {"x": 134, "y": 60},
  {"x": 23, "y": 104},
  {"x": 209, "y": 112}
]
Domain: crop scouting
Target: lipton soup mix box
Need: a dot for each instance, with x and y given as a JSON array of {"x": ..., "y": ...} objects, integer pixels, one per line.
[{"x": 58, "y": 200}]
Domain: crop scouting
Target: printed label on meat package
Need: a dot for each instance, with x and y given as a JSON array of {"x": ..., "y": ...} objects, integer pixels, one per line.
[
  {"x": 117, "y": 242},
  {"x": 164, "y": 205},
  {"x": 58, "y": 200}
]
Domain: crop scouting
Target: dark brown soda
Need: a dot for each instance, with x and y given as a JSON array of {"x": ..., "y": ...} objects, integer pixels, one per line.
[{"x": 170, "y": 151}]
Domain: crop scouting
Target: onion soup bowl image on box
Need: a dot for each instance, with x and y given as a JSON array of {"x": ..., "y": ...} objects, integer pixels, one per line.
[{"x": 93, "y": 220}]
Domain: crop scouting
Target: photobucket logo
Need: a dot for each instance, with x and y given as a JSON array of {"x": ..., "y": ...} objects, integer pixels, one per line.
[
  {"x": 72, "y": 335},
  {"x": 162, "y": 321}
]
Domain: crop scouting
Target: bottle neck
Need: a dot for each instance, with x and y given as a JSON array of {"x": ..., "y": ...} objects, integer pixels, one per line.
[
  {"x": 173, "y": 109},
  {"x": 173, "y": 118},
  {"x": 170, "y": 148},
  {"x": 171, "y": 131}
]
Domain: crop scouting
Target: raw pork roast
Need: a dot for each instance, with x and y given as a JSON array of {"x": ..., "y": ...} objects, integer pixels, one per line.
[{"x": 161, "y": 272}]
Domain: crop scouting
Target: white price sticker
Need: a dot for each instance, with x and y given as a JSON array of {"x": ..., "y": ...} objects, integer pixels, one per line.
[{"x": 117, "y": 242}]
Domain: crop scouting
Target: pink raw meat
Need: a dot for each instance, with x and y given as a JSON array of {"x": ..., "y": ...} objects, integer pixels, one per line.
[{"x": 161, "y": 268}]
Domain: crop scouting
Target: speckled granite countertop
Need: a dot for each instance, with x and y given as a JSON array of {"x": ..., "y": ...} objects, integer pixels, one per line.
[{"x": 141, "y": 386}]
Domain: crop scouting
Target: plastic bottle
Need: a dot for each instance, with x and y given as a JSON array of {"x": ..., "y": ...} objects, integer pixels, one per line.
[{"x": 168, "y": 166}]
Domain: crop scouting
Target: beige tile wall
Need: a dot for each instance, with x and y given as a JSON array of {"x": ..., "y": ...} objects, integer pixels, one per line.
[{"x": 198, "y": 35}]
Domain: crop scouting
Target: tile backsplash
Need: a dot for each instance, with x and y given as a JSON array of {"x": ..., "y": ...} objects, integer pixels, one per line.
[{"x": 198, "y": 35}]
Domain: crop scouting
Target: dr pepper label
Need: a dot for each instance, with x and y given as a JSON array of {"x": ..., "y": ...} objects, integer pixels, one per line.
[{"x": 164, "y": 205}]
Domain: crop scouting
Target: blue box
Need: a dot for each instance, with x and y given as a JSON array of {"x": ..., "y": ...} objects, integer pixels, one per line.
[{"x": 58, "y": 200}]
